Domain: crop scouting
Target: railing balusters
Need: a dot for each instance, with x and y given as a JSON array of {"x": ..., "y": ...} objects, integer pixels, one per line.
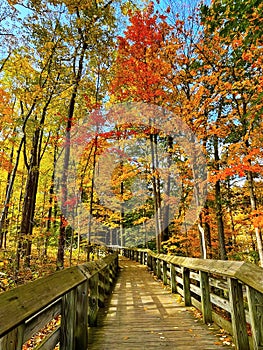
[
  {"x": 73, "y": 293},
  {"x": 221, "y": 285}
]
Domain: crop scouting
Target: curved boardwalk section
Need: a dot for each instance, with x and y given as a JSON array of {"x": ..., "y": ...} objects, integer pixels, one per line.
[{"x": 141, "y": 314}]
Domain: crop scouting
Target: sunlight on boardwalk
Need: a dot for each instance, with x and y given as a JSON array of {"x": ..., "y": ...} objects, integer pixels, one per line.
[{"x": 143, "y": 315}]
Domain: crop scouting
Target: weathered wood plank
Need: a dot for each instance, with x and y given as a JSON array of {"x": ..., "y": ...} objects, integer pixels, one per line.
[
  {"x": 50, "y": 341},
  {"x": 19, "y": 301},
  {"x": 143, "y": 315},
  {"x": 41, "y": 319},
  {"x": 14, "y": 339}
]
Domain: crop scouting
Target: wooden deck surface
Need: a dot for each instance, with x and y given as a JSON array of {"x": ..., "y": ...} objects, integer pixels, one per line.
[{"x": 142, "y": 314}]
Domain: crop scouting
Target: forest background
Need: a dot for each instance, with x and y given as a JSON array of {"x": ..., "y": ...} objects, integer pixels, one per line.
[{"x": 65, "y": 61}]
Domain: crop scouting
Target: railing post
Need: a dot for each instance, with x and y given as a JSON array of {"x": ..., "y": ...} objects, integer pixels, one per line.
[
  {"x": 14, "y": 339},
  {"x": 186, "y": 284},
  {"x": 145, "y": 258},
  {"x": 255, "y": 304},
  {"x": 107, "y": 280},
  {"x": 68, "y": 321},
  {"x": 205, "y": 297},
  {"x": 173, "y": 278},
  {"x": 136, "y": 256},
  {"x": 149, "y": 261},
  {"x": 238, "y": 315},
  {"x": 101, "y": 288},
  {"x": 140, "y": 259},
  {"x": 93, "y": 300},
  {"x": 164, "y": 273},
  {"x": 158, "y": 269},
  {"x": 81, "y": 330},
  {"x": 154, "y": 265}
]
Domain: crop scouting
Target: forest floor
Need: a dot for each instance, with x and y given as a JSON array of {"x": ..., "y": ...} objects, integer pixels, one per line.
[{"x": 39, "y": 266}]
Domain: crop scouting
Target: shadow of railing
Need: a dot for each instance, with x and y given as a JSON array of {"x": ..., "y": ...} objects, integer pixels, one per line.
[{"x": 229, "y": 293}]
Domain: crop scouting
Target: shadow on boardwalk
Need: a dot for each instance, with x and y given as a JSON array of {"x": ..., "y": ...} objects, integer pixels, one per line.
[{"x": 141, "y": 314}]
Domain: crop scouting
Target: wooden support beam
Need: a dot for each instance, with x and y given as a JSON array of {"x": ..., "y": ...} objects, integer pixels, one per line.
[
  {"x": 81, "y": 325},
  {"x": 173, "y": 278},
  {"x": 165, "y": 273},
  {"x": 255, "y": 304},
  {"x": 205, "y": 297},
  {"x": 238, "y": 315},
  {"x": 186, "y": 286},
  {"x": 68, "y": 321}
]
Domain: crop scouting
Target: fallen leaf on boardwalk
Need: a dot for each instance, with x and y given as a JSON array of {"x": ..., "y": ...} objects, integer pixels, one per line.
[
  {"x": 226, "y": 342},
  {"x": 125, "y": 338}
]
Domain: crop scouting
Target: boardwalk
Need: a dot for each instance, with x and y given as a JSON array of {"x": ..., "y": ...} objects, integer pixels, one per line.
[{"x": 141, "y": 314}]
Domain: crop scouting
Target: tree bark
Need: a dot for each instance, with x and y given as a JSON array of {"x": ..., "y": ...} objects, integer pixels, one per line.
[
  {"x": 253, "y": 203},
  {"x": 218, "y": 203}
]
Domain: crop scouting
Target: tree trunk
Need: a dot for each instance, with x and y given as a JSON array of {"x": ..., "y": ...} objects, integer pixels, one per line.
[
  {"x": 156, "y": 190},
  {"x": 166, "y": 216},
  {"x": 62, "y": 233},
  {"x": 10, "y": 184},
  {"x": 253, "y": 203},
  {"x": 218, "y": 203},
  {"x": 30, "y": 200}
]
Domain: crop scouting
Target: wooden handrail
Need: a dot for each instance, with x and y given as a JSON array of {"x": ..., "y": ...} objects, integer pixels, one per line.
[
  {"x": 234, "y": 287},
  {"x": 75, "y": 293}
]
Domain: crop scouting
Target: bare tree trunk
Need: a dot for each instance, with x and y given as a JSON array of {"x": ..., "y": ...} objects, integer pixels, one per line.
[{"x": 253, "y": 203}]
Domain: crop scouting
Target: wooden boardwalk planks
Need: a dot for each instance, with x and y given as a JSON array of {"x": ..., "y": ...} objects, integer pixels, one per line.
[{"x": 141, "y": 314}]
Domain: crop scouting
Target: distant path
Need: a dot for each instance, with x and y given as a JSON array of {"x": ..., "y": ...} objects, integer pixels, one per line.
[{"x": 141, "y": 314}]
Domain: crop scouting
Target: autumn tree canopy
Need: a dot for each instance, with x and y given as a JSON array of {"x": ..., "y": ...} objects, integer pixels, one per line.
[{"x": 66, "y": 65}]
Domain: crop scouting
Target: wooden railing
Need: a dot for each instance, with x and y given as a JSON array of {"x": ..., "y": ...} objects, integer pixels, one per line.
[
  {"x": 230, "y": 293},
  {"x": 74, "y": 294}
]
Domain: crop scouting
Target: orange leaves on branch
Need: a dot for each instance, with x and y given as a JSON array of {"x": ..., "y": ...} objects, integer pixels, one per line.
[
  {"x": 140, "y": 67},
  {"x": 239, "y": 170},
  {"x": 257, "y": 218},
  {"x": 4, "y": 162}
]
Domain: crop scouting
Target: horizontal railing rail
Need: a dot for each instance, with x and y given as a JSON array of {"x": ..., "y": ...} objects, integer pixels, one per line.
[
  {"x": 74, "y": 294},
  {"x": 229, "y": 293}
]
